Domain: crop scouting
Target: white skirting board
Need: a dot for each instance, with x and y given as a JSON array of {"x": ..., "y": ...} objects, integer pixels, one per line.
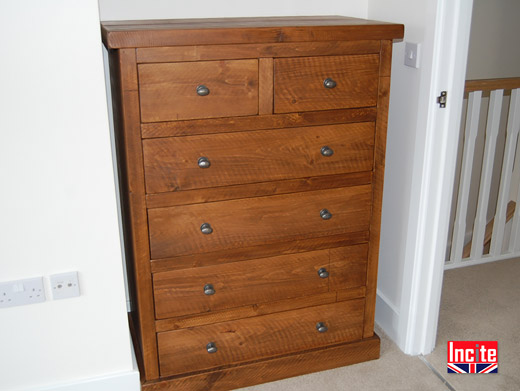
[
  {"x": 125, "y": 381},
  {"x": 120, "y": 381},
  {"x": 387, "y": 316}
]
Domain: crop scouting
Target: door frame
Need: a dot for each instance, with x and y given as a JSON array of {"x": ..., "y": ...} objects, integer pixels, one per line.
[{"x": 432, "y": 184}]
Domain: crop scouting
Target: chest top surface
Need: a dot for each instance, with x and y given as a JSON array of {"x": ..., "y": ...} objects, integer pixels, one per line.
[{"x": 174, "y": 32}]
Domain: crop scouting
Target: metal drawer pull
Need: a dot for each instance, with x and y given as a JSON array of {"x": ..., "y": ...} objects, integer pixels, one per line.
[
  {"x": 325, "y": 214},
  {"x": 209, "y": 290},
  {"x": 206, "y": 229},
  {"x": 323, "y": 273},
  {"x": 202, "y": 90},
  {"x": 329, "y": 83},
  {"x": 211, "y": 347},
  {"x": 326, "y": 151},
  {"x": 203, "y": 162},
  {"x": 320, "y": 326}
]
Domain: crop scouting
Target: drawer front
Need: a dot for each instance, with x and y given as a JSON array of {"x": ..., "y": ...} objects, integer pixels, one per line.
[
  {"x": 193, "y": 162},
  {"x": 299, "y": 83},
  {"x": 237, "y": 341},
  {"x": 214, "y": 226},
  {"x": 170, "y": 92},
  {"x": 193, "y": 291}
]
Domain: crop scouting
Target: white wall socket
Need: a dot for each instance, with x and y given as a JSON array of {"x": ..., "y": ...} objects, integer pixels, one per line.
[
  {"x": 64, "y": 285},
  {"x": 21, "y": 292}
]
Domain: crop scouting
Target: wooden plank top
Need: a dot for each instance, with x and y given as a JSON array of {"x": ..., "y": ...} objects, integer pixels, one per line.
[{"x": 173, "y": 32}]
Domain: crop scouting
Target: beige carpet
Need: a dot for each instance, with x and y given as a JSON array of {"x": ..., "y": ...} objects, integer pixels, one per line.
[
  {"x": 478, "y": 303},
  {"x": 482, "y": 303},
  {"x": 394, "y": 371}
]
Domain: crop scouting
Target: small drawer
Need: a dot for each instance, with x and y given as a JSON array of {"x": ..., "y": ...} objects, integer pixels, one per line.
[
  {"x": 219, "y": 344},
  {"x": 194, "y": 162},
  {"x": 214, "y": 226},
  {"x": 193, "y": 291},
  {"x": 189, "y": 90},
  {"x": 325, "y": 83}
]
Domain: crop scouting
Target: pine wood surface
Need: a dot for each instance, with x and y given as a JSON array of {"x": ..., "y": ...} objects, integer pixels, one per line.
[
  {"x": 260, "y": 337},
  {"x": 168, "y": 92},
  {"x": 377, "y": 199},
  {"x": 257, "y": 50},
  {"x": 126, "y": 118},
  {"x": 249, "y": 311},
  {"x": 260, "y": 156},
  {"x": 298, "y": 82},
  {"x": 240, "y": 124},
  {"x": 153, "y": 33},
  {"x": 274, "y": 369},
  {"x": 237, "y": 254},
  {"x": 197, "y": 196},
  {"x": 254, "y": 221},
  {"x": 180, "y": 292}
]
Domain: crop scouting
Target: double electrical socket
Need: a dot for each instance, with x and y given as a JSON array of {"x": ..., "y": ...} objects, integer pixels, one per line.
[
  {"x": 22, "y": 292},
  {"x": 31, "y": 290}
]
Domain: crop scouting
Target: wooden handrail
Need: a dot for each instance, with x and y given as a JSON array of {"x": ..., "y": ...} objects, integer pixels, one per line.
[{"x": 492, "y": 84}]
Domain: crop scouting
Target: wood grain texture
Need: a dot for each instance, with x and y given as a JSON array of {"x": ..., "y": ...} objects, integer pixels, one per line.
[
  {"x": 252, "y": 157},
  {"x": 265, "y": 88},
  {"x": 348, "y": 267},
  {"x": 377, "y": 203},
  {"x": 168, "y": 92},
  {"x": 257, "y": 50},
  {"x": 239, "y": 124},
  {"x": 257, "y": 251},
  {"x": 275, "y": 369},
  {"x": 176, "y": 230},
  {"x": 126, "y": 119},
  {"x": 492, "y": 84},
  {"x": 298, "y": 82},
  {"x": 151, "y": 33},
  {"x": 180, "y": 292},
  {"x": 197, "y": 196},
  {"x": 260, "y": 337},
  {"x": 253, "y": 310},
  {"x": 385, "y": 63}
]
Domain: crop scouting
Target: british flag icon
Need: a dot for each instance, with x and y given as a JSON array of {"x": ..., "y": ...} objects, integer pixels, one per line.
[{"x": 472, "y": 357}]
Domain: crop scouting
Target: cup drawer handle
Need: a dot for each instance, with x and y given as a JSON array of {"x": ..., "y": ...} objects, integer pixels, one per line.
[
  {"x": 327, "y": 151},
  {"x": 329, "y": 83},
  {"x": 323, "y": 273},
  {"x": 206, "y": 229},
  {"x": 202, "y": 90},
  {"x": 321, "y": 327},
  {"x": 209, "y": 290},
  {"x": 203, "y": 162},
  {"x": 325, "y": 214},
  {"x": 211, "y": 347}
]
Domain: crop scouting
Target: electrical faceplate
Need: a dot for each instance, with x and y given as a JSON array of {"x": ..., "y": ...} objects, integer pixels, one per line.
[
  {"x": 412, "y": 54},
  {"x": 64, "y": 285},
  {"x": 21, "y": 292}
]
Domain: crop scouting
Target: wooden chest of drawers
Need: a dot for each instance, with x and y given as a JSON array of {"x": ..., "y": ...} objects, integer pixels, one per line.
[{"x": 251, "y": 164}]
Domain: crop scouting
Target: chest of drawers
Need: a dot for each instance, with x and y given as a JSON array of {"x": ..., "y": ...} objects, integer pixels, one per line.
[{"x": 251, "y": 164}]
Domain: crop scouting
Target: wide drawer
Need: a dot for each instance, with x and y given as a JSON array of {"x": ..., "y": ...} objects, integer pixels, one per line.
[
  {"x": 199, "y": 228},
  {"x": 183, "y": 163},
  {"x": 188, "y": 350},
  {"x": 192, "y": 291},
  {"x": 170, "y": 91},
  {"x": 327, "y": 82}
]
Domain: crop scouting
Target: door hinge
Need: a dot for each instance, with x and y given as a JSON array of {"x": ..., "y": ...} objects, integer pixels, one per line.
[{"x": 441, "y": 100}]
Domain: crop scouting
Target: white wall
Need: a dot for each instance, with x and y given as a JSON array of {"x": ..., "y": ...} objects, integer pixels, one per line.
[
  {"x": 57, "y": 204},
  {"x": 494, "y": 51},
  {"x": 164, "y": 9},
  {"x": 406, "y": 131}
]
